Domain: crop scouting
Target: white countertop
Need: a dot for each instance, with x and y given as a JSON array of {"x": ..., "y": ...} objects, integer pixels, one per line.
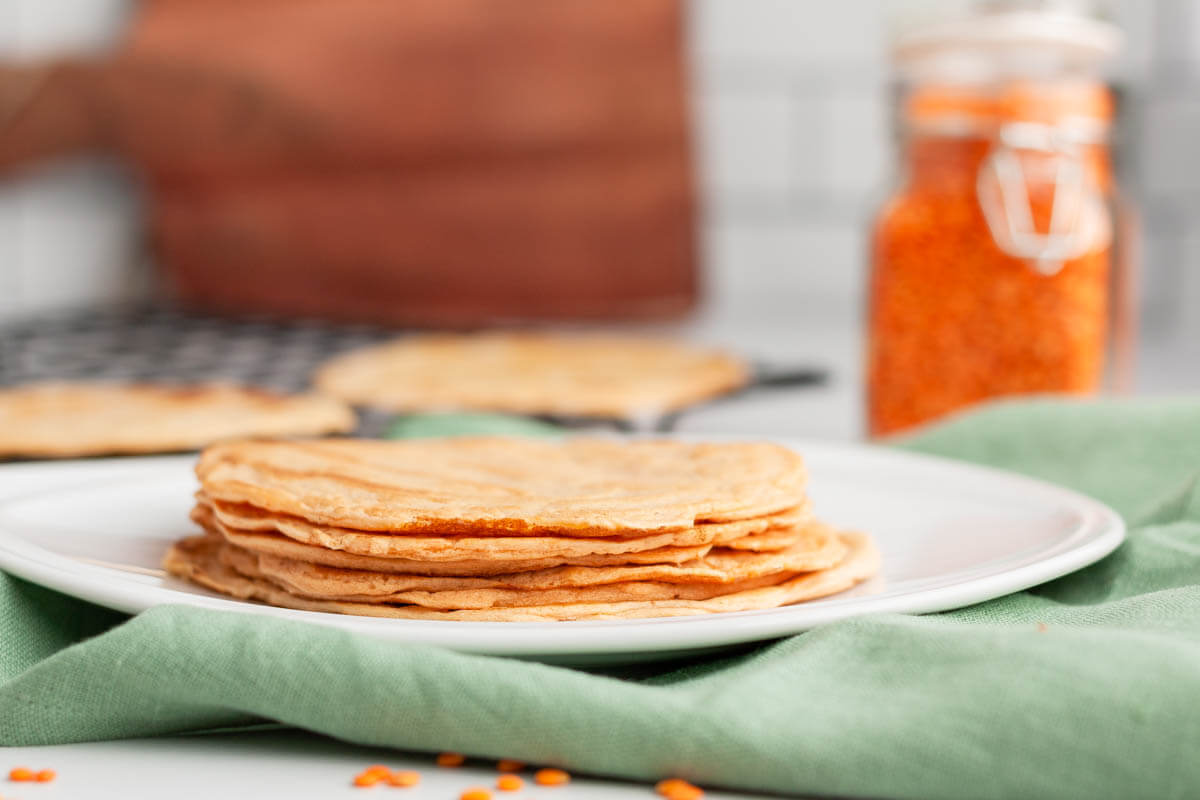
[{"x": 268, "y": 765}]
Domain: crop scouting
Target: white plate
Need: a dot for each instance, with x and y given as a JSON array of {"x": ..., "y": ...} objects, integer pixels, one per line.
[{"x": 951, "y": 534}]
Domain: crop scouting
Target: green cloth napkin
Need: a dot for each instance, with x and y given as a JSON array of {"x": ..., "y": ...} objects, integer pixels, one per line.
[
  {"x": 1086, "y": 687},
  {"x": 424, "y": 426}
]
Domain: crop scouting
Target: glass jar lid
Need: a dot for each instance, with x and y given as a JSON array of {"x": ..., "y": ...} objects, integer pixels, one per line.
[{"x": 1010, "y": 40}]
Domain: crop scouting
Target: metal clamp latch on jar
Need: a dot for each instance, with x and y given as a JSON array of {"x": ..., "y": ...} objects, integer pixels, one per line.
[{"x": 1003, "y": 193}]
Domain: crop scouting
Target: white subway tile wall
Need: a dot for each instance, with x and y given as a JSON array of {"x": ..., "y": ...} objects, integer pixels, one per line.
[
  {"x": 10, "y": 267},
  {"x": 753, "y": 144},
  {"x": 793, "y": 142},
  {"x": 859, "y": 164},
  {"x": 1163, "y": 166},
  {"x": 768, "y": 265},
  {"x": 1171, "y": 163},
  {"x": 792, "y": 33},
  {"x": 1189, "y": 281},
  {"x": 77, "y": 214}
]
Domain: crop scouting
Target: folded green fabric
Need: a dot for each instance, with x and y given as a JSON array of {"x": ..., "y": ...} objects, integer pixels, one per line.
[
  {"x": 1085, "y": 687},
  {"x": 423, "y": 426}
]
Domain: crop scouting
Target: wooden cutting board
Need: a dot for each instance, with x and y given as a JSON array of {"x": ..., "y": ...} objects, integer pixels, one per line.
[{"x": 439, "y": 162}]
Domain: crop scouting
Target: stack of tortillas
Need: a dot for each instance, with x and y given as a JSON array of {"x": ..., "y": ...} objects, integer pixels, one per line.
[{"x": 513, "y": 529}]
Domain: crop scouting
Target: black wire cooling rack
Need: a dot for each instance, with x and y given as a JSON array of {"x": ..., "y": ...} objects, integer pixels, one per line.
[{"x": 175, "y": 346}]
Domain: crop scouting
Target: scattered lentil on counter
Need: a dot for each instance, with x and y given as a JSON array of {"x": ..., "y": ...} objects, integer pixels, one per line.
[{"x": 551, "y": 777}]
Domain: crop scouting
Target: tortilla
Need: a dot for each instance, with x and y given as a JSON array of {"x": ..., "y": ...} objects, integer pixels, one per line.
[
  {"x": 66, "y": 420},
  {"x": 577, "y": 487},
  {"x": 529, "y": 373}
]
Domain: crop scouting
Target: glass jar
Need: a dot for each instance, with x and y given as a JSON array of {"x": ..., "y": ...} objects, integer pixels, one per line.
[{"x": 993, "y": 265}]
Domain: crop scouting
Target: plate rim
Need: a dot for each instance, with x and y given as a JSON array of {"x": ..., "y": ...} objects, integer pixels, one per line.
[{"x": 1101, "y": 531}]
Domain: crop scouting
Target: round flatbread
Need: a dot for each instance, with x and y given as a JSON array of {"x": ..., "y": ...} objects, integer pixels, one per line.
[
  {"x": 272, "y": 544},
  {"x": 576, "y": 487},
  {"x": 450, "y": 547},
  {"x": 246, "y": 564},
  {"x": 199, "y": 559},
  {"x": 529, "y": 373},
  {"x": 65, "y": 420},
  {"x": 820, "y": 548}
]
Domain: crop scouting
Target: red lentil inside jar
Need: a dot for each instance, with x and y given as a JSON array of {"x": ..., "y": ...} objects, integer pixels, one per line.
[{"x": 971, "y": 296}]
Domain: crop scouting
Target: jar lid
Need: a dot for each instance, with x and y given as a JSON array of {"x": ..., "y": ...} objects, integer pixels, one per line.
[{"x": 1006, "y": 41}]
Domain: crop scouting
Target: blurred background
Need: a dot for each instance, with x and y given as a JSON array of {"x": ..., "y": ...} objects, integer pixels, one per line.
[{"x": 719, "y": 181}]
